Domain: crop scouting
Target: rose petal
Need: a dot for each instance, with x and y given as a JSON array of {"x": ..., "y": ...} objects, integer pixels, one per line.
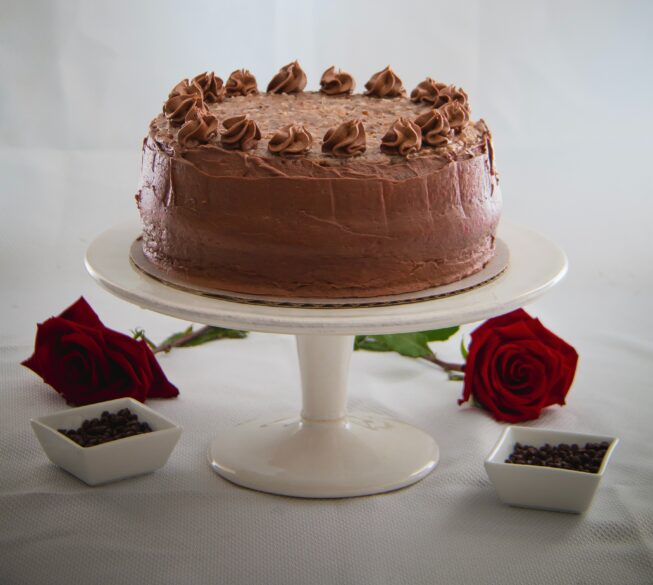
[
  {"x": 515, "y": 332},
  {"x": 161, "y": 386},
  {"x": 54, "y": 339},
  {"x": 131, "y": 370},
  {"x": 78, "y": 369},
  {"x": 91, "y": 343},
  {"x": 503, "y": 320},
  {"x": 80, "y": 312},
  {"x": 480, "y": 355}
]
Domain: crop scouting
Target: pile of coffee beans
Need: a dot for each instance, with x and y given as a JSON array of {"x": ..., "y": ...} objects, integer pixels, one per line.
[
  {"x": 108, "y": 427},
  {"x": 562, "y": 456}
]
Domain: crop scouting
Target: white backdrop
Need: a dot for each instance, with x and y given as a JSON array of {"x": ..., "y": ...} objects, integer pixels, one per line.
[{"x": 564, "y": 85}]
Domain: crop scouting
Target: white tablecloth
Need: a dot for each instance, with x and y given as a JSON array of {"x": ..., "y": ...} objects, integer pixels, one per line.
[{"x": 184, "y": 524}]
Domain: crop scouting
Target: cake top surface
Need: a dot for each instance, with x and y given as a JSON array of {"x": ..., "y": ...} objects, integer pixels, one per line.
[{"x": 333, "y": 131}]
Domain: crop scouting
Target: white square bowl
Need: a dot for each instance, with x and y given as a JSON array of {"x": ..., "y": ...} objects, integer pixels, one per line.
[
  {"x": 545, "y": 488},
  {"x": 113, "y": 460}
]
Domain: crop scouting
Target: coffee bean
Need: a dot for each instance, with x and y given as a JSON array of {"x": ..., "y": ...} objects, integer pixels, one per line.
[
  {"x": 108, "y": 427},
  {"x": 587, "y": 459}
]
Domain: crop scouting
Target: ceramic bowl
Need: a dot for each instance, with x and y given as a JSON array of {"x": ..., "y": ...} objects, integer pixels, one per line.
[
  {"x": 113, "y": 460},
  {"x": 545, "y": 488}
]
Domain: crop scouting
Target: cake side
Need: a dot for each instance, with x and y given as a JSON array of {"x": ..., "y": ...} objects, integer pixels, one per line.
[{"x": 318, "y": 237}]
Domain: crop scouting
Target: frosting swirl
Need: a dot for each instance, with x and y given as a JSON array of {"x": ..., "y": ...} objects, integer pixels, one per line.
[
  {"x": 438, "y": 94},
  {"x": 457, "y": 115},
  {"x": 345, "y": 140},
  {"x": 456, "y": 94},
  {"x": 183, "y": 97},
  {"x": 199, "y": 128},
  {"x": 241, "y": 133},
  {"x": 290, "y": 79},
  {"x": 430, "y": 91},
  {"x": 435, "y": 127},
  {"x": 183, "y": 87},
  {"x": 385, "y": 84},
  {"x": 336, "y": 82},
  {"x": 211, "y": 86},
  {"x": 291, "y": 139},
  {"x": 404, "y": 137},
  {"x": 241, "y": 82}
]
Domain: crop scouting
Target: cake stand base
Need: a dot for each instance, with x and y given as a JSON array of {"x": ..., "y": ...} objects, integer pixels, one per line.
[
  {"x": 325, "y": 452},
  {"x": 359, "y": 455}
]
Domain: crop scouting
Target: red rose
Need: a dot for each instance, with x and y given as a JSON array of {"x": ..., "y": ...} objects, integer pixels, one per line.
[
  {"x": 516, "y": 367},
  {"x": 86, "y": 362}
]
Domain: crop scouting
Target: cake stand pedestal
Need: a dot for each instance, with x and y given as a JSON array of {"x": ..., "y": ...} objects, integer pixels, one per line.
[{"x": 326, "y": 452}]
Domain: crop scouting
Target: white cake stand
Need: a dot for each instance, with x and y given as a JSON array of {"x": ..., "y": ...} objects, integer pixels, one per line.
[{"x": 326, "y": 452}]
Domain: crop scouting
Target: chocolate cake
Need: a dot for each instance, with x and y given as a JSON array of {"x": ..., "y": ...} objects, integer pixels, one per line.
[{"x": 325, "y": 194}]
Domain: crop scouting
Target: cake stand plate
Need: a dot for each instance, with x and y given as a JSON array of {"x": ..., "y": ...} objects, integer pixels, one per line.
[{"x": 326, "y": 452}]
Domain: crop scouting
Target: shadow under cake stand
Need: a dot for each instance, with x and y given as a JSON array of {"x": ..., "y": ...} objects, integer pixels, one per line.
[{"x": 326, "y": 452}]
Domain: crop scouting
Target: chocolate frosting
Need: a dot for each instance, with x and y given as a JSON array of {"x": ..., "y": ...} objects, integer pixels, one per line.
[
  {"x": 241, "y": 82},
  {"x": 429, "y": 91},
  {"x": 457, "y": 115},
  {"x": 291, "y": 140},
  {"x": 456, "y": 94},
  {"x": 241, "y": 133},
  {"x": 301, "y": 236},
  {"x": 183, "y": 87},
  {"x": 318, "y": 225},
  {"x": 183, "y": 97},
  {"x": 438, "y": 94},
  {"x": 404, "y": 137},
  {"x": 199, "y": 128},
  {"x": 345, "y": 140},
  {"x": 336, "y": 82},
  {"x": 319, "y": 113},
  {"x": 435, "y": 127},
  {"x": 385, "y": 84},
  {"x": 212, "y": 87},
  {"x": 290, "y": 79}
]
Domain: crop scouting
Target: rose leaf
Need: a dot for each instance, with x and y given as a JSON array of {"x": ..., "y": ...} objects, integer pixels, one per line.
[
  {"x": 407, "y": 344},
  {"x": 370, "y": 343},
  {"x": 440, "y": 334},
  {"x": 463, "y": 348}
]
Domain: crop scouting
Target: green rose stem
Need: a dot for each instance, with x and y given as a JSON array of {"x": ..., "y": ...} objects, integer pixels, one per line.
[
  {"x": 180, "y": 341},
  {"x": 413, "y": 345},
  {"x": 190, "y": 337},
  {"x": 446, "y": 366}
]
